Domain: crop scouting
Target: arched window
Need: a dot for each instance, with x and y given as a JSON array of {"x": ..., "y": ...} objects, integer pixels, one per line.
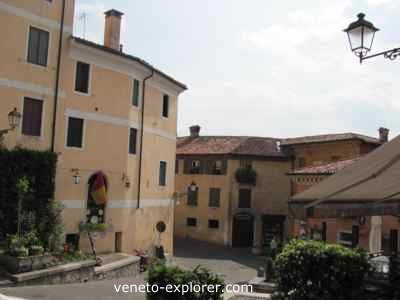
[{"x": 97, "y": 198}]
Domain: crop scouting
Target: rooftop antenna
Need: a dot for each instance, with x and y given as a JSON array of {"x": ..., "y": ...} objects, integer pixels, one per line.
[{"x": 83, "y": 18}]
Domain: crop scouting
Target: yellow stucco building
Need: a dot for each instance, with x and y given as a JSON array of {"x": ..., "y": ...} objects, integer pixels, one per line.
[
  {"x": 87, "y": 102},
  {"x": 231, "y": 190}
]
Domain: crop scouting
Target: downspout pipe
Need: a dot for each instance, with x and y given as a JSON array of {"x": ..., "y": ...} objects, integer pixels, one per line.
[
  {"x": 58, "y": 71},
  {"x": 141, "y": 137}
]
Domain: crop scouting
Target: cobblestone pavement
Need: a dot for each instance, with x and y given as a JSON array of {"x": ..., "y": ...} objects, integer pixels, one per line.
[{"x": 236, "y": 265}]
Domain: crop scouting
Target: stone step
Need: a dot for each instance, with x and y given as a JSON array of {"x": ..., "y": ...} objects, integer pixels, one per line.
[{"x": 6, "y": 283}]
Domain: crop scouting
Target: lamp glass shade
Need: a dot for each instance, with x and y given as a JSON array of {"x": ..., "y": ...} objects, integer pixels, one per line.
[
  {"x": 361, "y": 35},
  {"x": 14, "y": 118},
  {"x": 193, "y": 187}
]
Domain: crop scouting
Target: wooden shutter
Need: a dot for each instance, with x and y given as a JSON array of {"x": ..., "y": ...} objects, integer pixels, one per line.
[
  {"x": 38, "y": 46},
  {"x": 33, "y": 47},
  {"x": 192, "y": 196},
  {"x": 356, "y": 235},
  {"x": 163, "y": 173},
  {"x": 75, "y": 132},
  {"x": 43, "y": 48},
  {"x": 215, "y": 195},
  {"x": 132, "y": 140},
  {"x": 187, "y": 164},
  {"x": 324, "y": 231},
  {"x": 135, "y": 99},
  {"x": 32, "y": 117},
  {"x": 394, "y": 241}
]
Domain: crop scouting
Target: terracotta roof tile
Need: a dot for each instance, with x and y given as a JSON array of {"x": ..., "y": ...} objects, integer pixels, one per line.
[
  {"x": 235, "y": 145},
  {"x": 329, "y": 138},
  {"x": 326, "y": 169}
]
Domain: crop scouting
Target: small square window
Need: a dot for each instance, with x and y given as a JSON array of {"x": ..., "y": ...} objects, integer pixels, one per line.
[
  {"x": 213, "y": 224},
  {"x": 191, "y": 222}
]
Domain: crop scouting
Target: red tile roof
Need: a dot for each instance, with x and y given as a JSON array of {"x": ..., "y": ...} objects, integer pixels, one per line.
[
  {"x": 326, "y": 169},
  {"x": 234, "y": 145},
  {"x": 330, "y": 138}
]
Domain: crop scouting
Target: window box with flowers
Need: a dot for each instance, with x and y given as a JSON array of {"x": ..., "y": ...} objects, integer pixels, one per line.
[{"x": 246, "y": 176}]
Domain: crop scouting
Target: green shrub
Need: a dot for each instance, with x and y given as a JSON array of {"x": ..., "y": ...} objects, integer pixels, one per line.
[
  {"x": 316, "y": 270},
  {"x": 39, "y": 168},
  {"x": 162, "y": 275},
  {"x": 89, "y": 227},
  {"x": 36, "y": 250}
]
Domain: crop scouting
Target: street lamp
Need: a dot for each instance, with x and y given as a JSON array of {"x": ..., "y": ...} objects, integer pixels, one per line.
[
  {"x": 361, "y": 34},
  {"x": 14, "y": 119}
]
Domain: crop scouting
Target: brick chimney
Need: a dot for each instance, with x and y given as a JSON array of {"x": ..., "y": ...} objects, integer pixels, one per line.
[
  {"x": 112, "y": 29},
  {"x": 195, "y": 131},
  {"x": 383, "y": 135}
]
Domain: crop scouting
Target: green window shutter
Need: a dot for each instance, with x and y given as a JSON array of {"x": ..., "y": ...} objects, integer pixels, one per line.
[
  {"x": 163, "y": 173},
  {"x": 214, "y": 197},
  {"x": 192, "y": 197},
  {"x": 135, "y": 95}
]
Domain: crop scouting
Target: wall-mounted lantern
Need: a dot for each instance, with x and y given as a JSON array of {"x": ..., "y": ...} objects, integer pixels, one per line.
[{"x": 76, "y": 177}]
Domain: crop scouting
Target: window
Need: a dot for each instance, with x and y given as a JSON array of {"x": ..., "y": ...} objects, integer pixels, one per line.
[
  {"x": 32, "y": 117},
  {"x": 196, "y": 166},
  {"x": 213, "y": 224},
  {"x": 191, "y": 222},
  {"x": 192, "y": 196},
  {"x": 163, "y": 174},
  {"x": 38, "y": 46},
  {"x": 165, "y": 110},
  {"x": 75, "y": 132},
  {"x": 301, "y": 162},
  {"x": 135, "y": 95},
  {"x": 244, "y": 198},
  {"x": 132, "y": 140},
  {"x": 82, "y": 77},
  {"x": 345, "y": 238},
  {"x": 177, "y": 166},
  {"x": 217, "y": 167},
  {"x": 246, "y": 164},
  {"x": 215, "y": 195}
]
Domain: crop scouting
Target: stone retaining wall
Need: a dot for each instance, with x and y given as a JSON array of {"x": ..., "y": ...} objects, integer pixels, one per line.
[{"x": 78, "y": 272}]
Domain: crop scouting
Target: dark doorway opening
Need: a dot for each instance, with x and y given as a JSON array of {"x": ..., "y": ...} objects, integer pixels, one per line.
[
  {"x": 118, "y": 242},
  {"x": 243, "y": 230}
]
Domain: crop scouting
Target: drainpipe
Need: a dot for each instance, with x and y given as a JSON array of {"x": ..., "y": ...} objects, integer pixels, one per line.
[
  {"x": 60, "y": 45},
  {"x": 141, "y": 137}
]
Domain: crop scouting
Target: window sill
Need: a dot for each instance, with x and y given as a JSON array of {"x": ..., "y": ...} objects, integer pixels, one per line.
[
  {"x": 43, "y": 68},
  {"x": 82, "y": 94},
  {"x": 74, "y": 148}
]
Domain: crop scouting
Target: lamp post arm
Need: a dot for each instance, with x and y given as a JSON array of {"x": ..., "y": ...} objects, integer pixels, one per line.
[{"x": 389, "y": 54}]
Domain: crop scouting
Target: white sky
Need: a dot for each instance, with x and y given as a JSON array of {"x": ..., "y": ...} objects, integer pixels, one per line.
[{"x": 262, "y": 67}]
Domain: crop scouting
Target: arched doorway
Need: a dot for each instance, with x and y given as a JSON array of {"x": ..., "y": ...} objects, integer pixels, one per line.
[{"x": 243, "y": 230}]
